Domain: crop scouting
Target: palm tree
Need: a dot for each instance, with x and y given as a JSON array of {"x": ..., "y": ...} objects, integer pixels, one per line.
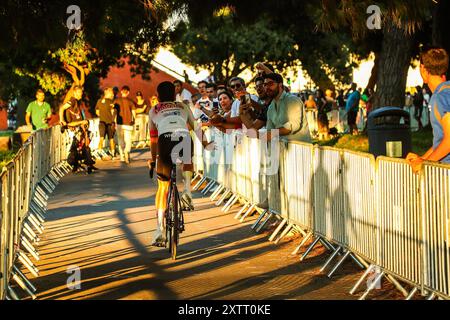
[{"x": 400, "y": 22}]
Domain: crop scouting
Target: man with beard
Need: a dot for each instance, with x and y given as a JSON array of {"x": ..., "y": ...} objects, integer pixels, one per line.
[{"x": 286, "y": 113}]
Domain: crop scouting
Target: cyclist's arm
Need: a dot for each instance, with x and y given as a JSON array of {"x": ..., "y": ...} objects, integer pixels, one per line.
[{"x": 193, "y": 125}]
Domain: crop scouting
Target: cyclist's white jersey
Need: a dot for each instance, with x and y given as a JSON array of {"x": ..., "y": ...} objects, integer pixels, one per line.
[{"x": 168, "y": 117}]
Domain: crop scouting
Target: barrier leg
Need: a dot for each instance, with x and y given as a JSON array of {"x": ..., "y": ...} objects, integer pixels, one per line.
[
  {"x": 222, "y": 199},
  {"x": 412, "y": 293},
  {"x": 209, "y": 187},
  {"x": 216, "y": 193},
  {"x": 397, "y": 284},
  {"x": 29, "y": 235},
  {"x": 37, "y": 210},
  {"x": 330, "y": 259},
  {"x": 41, "y": 190},
  {"x": 357, "y": 261},
  {"x": 261, "y": 216},
  {"x": 284, "y": 233},
  {"x": 40, "y": 200},
  {"x": 372, "y": 286},
  {"x": 308, "y": 251},
  {"x": 236, "y": 199},
  {"x": 36, "y": 223},
  {"x": 244, "y": 208},
  {"x": 212, "y": 187},
  {"x": 277, "y": 230},
  {"x": 29, "y": 230},
  {"x": 196, "y": 175},
  {"x": 327, "y": 244},
  {"x": 29, "y": 247},
  {"x": 338, "y": 264},
  {"x": 199, "y": 184},
  {"x": 38, "y": 217},
  {"x": 12, "y": 293},
  {"x": 28, "y": 264},
  {"x": 229, "y": 202},
  {"x": 49, "y": 183},
  {"x": 248, "y": 213},
  {"x": 305, "y": 238},
  {"x": 25, "y": 279},
  {"x": 22, "y": 284},
  {"x": 432, "y": 296},
  {"x": 271, "y": 214},
  {"x": 360, "y": 281}
]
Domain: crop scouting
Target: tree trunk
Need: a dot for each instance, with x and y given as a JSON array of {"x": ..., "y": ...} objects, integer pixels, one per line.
[
  {"x": 395, "y": 59},
  {"x": 374, "y": 75}
]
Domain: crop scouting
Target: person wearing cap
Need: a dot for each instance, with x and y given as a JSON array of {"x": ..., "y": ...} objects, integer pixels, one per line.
[{"x": 286, "y": 113}]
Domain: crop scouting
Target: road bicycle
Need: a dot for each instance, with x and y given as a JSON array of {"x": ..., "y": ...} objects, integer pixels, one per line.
[{"x": 174, "y": 214}]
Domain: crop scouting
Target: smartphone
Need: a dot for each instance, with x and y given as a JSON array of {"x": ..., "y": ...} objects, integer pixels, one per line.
[{"x": 215, "y": 107}]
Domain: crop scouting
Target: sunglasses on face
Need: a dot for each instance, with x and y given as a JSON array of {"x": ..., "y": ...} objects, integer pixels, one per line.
[{"x": 236, "y": 86}]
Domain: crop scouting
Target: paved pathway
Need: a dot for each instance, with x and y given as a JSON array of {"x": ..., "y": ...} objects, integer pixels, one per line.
[{"x": 103, "y": 223}]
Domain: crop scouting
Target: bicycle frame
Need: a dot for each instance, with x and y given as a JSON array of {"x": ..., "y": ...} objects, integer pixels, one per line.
[{"x": 174, "y": 214}]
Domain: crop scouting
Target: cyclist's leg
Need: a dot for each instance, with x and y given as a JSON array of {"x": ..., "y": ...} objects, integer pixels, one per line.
[
  {"x": 163, "y": 168},
  {"x": 188, "y": 170}
]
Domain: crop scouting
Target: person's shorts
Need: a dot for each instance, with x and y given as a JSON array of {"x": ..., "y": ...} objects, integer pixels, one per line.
[
  {"x": 171, "y": 148},
  {"x": 351, "y": 117},
  {"x": 106, "y": 129}
]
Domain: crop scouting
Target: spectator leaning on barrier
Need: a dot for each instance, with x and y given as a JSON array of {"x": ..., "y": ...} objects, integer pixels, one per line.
[
  {"x": 286, "y": 113},
  {"x": 126, "y": 115},
  {"x": 38, "y": 112},
  {"x": 105, "y": 111},
  {"x": 433, "y": 67}
]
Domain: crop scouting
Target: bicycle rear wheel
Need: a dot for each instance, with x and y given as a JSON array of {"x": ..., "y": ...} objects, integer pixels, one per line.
[{"x": 174, "y": 232}]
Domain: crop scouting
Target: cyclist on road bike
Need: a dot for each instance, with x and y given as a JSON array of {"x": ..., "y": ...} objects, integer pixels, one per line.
[{"x": 169, "y": 124}]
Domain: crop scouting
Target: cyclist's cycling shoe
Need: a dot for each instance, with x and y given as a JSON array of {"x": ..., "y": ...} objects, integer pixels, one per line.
[
  {"x": 159, "y": 240},
  {"x": 186, "y": 202}
]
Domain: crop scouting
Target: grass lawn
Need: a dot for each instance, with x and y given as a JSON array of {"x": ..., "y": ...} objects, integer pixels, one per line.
[
  {"x": 421, "y": 142},
  {"x": 5, "y": 157}
]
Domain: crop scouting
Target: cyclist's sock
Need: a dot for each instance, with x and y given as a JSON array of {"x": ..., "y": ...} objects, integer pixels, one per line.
[
  {"x": 160, "y": 214},
  {"x": 187, "y": 175}
]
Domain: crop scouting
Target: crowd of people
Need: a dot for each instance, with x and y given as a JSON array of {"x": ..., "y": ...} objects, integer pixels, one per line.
[{"x": 303, "y": 116}]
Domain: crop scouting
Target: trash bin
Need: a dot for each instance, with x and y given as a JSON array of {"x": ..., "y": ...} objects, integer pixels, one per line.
[{"x": 389, "y": 132}]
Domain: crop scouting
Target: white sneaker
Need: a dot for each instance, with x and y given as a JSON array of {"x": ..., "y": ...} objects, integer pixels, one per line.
[{"x": 159, "y": 238}]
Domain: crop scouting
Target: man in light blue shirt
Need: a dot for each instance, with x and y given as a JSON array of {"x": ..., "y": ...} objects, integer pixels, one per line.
[{"x": 286, "y": 113}]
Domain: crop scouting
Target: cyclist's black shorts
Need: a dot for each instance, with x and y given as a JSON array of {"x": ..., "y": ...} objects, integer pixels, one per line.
[{"x": 173, "y": 146}]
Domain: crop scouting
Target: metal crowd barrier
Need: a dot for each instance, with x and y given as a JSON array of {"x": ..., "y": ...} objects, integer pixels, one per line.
[
  {"x": 25, "y": 185},
  {"x": 388, "y": 220},
  {"x": 435, "y": 199}
]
